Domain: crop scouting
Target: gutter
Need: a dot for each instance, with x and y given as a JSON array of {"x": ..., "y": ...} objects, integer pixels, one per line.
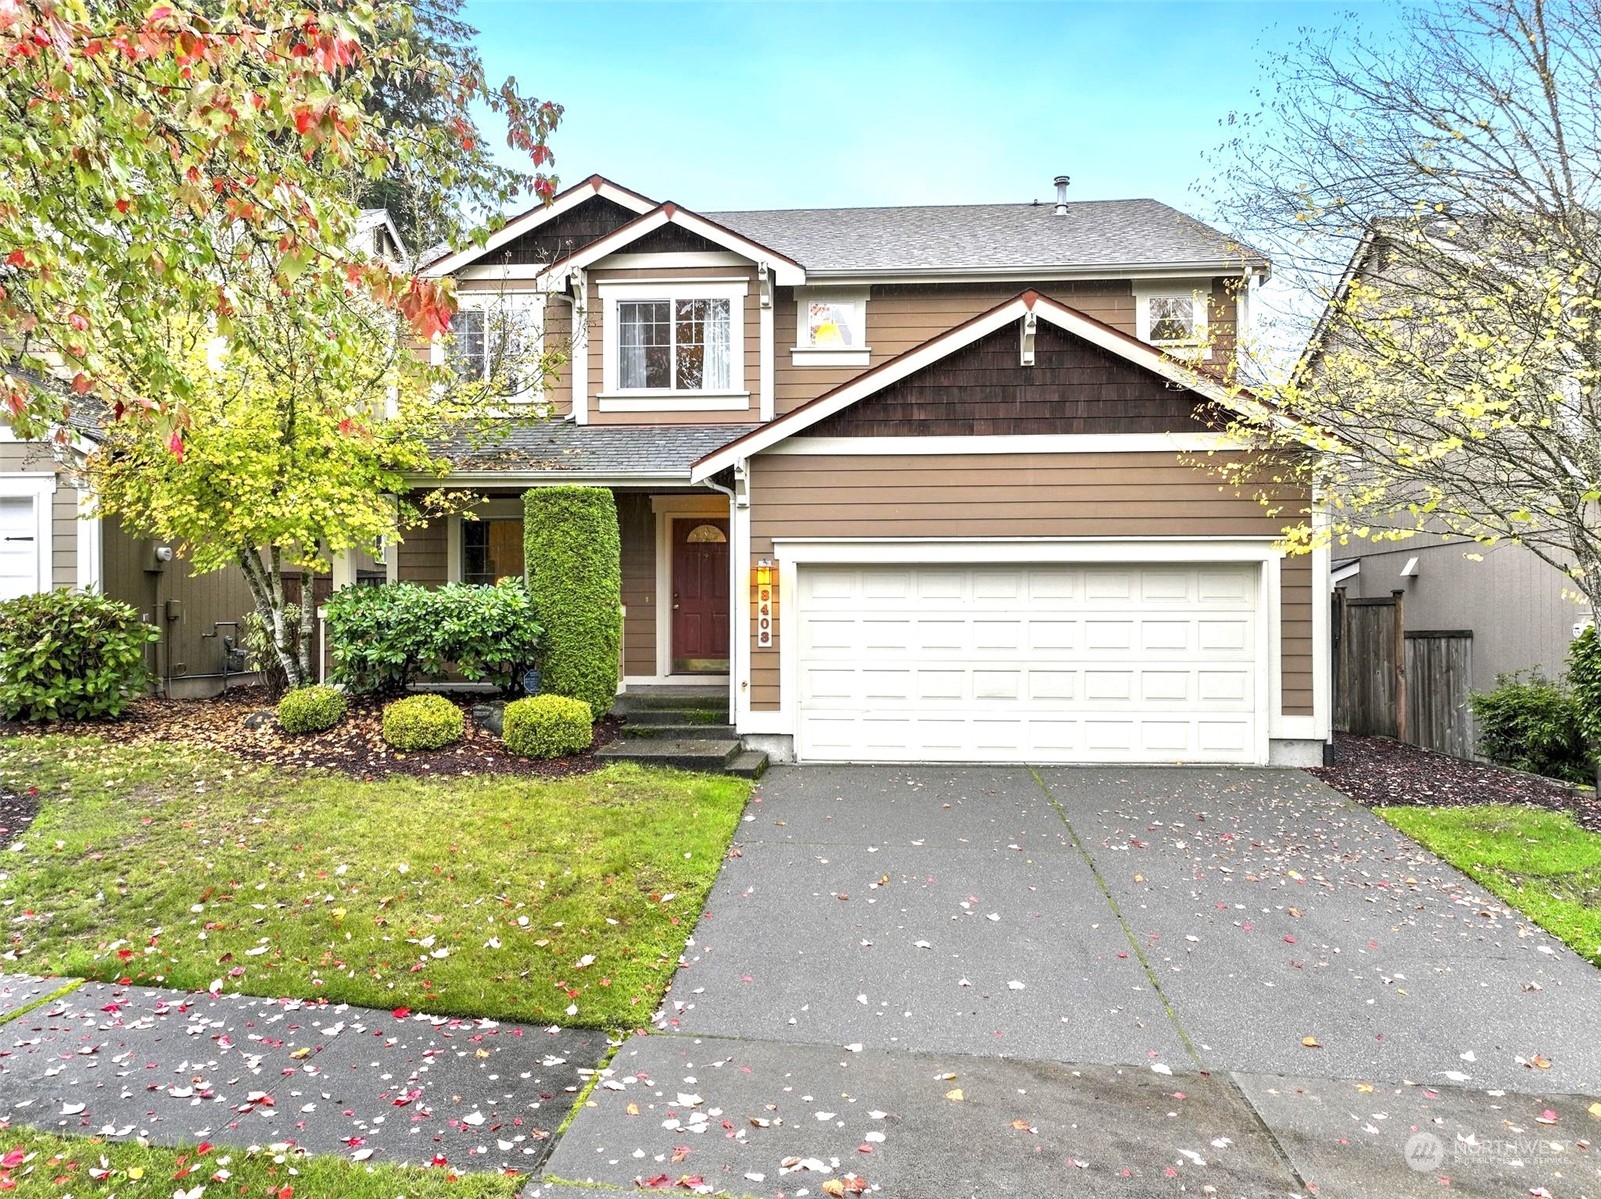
[{"x": 1258, "y": 267}]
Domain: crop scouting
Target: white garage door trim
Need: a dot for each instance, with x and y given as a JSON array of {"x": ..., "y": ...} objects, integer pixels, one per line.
[
  {"x": 792, "y": 554},
  {"x": 39, "y": 489}
]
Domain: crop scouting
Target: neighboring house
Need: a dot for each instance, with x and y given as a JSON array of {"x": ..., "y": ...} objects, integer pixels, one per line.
[
  {"x": 911, "y": 482},
  {"x": 51, "y": 536},
  {"x": 1521, "y": 612}
]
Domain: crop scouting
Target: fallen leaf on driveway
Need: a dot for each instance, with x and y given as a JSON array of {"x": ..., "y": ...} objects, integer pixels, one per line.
[
  {"x": 1312, "y": 1042},
  {"x": 954, "y": 1095},
  {"x": 1540, "y": 1063}
]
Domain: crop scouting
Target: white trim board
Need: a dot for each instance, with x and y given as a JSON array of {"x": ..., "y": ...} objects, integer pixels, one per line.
[
  {"x": 1069, "y": 319},
  {"x": 1039, "y": 443}
]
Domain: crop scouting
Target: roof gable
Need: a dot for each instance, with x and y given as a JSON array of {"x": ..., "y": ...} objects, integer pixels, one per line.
[
  {"x": 525, "y": 223},
  {"x": 983, "y": 389},
  {"x": 786, "y": 271},
  {"x": 1002, "y": 316}
]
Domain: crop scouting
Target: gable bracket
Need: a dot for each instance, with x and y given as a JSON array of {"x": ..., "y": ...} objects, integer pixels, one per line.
[
  {"x": 1026, "y": 329},
  {"x": 764, "y": 284}
]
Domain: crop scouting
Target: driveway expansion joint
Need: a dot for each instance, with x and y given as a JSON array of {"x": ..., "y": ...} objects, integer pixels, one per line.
[{"x": 1122, "y": 921}]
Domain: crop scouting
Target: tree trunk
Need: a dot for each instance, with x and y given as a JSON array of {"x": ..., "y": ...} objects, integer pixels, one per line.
[{"x": 267, "y": 588}]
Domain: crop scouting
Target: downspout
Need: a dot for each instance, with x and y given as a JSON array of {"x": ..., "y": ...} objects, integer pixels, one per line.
[{"x": 738, "y": 566}]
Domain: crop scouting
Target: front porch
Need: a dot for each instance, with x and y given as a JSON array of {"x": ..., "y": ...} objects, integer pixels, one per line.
[{"x": 675, "y": 574}]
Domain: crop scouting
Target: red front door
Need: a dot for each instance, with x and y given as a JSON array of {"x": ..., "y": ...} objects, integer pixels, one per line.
[{"x": 700, "y": 596}]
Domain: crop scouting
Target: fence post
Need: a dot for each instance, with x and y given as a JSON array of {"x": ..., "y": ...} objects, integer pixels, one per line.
[{"x": 1402, "y": 724}]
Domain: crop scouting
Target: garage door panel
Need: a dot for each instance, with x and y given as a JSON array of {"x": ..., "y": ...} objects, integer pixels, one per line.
[{"x": 1038, "y": 663}]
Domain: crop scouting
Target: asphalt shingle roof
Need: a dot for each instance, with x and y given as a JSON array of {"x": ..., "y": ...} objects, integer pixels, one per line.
[
  {"x": 612, "y": 451},
  {"x": 993, "y": 237}
]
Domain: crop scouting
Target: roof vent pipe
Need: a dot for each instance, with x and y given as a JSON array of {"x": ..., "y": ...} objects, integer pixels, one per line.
[{"x": 1061, "y": 194}]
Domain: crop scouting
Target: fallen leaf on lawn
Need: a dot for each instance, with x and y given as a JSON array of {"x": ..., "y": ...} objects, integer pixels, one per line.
[
  {"x": 954, "y": 1095},
  {"x": 1312, "y": 1042}
]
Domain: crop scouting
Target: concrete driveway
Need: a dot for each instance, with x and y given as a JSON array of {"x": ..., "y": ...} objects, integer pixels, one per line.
[{"x": 1168, "y": 977}]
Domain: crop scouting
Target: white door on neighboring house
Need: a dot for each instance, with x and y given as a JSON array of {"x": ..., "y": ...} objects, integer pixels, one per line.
[{"x": 19, "y": 545}]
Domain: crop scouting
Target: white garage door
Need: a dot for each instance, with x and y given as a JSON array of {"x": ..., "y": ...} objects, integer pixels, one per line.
[{"x": 1028, "y": 663}]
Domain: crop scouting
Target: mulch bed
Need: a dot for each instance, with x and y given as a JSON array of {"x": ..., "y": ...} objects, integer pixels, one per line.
[
  {"x": 355, "y": 746},
  {"x": 1377, "y": 772}
]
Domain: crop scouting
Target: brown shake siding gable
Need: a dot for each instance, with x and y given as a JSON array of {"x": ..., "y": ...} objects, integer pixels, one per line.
[{"x": 1013, "y": 495}]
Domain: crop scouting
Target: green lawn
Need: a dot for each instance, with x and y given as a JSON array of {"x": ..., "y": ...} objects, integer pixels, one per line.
[
  {"x": 562, "y": 902},
  {"x": 60, "y": 1167},
  {"x": 1540, "y": 862}
]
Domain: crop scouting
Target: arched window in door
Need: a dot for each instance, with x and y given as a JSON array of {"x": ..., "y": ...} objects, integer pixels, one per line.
[{"x": 701, "y": 534}]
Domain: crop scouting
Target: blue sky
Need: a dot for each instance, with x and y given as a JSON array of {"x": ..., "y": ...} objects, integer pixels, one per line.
[{"x": 789, "y": 105}]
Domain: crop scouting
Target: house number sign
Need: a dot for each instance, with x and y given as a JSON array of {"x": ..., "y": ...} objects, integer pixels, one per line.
[{"x": 764, "y": 616}]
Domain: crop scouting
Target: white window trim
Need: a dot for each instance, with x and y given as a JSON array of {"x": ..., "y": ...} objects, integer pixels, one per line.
[
  {"x": 531, "y": 301},
  {"x": 90, "y": 563},
  {"x": 1197, "y": 348},
  {"x": 801, "y": 354},
  {"x": 613, "y": 397},
  {"x": 40, "y": 487}
]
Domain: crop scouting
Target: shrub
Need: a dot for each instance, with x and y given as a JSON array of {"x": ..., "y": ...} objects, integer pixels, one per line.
[
  {"x": 422, "y": 722},
  {"x": 383, "y": 638},
  {"x": 548, "y": 726},
  {"x": 575, "y": 578},
  {"x": 1584, "y": 678},
  {"x": 1531, "y": 723},
  {"x": 70, "y": 655},
  {"x": 311, "y": 709}
]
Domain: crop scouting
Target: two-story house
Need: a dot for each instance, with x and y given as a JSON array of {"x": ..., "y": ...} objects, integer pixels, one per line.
[{"x": 917, "y": 484}]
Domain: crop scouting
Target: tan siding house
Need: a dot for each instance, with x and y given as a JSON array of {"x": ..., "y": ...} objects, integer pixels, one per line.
[{"x": 915, "y": 484}]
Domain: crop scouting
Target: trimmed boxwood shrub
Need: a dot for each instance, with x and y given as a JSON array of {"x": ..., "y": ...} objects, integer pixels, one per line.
[
  {"x": 70, "y": 655},
  {"x": 573, "y": 556},
  {"x": 385, "y": 637},
  {"x": 422, "y": 722},
  {"x": 1529, "y": 722},
  {"x": 311, "y": 709},
  {"x": 548, "y": 726}
]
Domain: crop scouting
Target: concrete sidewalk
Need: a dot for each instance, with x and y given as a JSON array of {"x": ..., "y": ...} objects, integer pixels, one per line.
[{"x": 179, "y": 1068}]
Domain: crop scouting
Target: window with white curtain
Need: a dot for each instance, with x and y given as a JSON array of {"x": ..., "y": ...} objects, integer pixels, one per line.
[{"x": 675, "y": 345}]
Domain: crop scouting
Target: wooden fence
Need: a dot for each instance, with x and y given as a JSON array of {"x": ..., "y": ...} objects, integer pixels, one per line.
[{"x": 1391, "y": 682}]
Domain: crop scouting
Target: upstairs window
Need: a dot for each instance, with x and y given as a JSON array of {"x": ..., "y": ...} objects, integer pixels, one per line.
[
  {"x": 830, "y": 327},
  {"x": 675, "y": 345},
  {"x": 1175, "y": 320},
  {"x": 495, "y": 341}
]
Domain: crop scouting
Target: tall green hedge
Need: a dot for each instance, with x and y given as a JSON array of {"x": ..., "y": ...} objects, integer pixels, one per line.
[{"x": 573, "y": 558}]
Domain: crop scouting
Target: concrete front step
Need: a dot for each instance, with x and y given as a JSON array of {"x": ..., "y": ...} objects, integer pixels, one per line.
[
  {"x": 687, "y": 731},
  {"x": 710, "y": 716},
  {"x": 670, "y": 697},
  {"x": 714, "y": 756}
]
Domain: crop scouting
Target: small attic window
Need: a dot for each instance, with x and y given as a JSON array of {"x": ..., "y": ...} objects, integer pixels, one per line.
[
  {"x": 1174, "y": 318},
  {"x": 831, "y": 327}
]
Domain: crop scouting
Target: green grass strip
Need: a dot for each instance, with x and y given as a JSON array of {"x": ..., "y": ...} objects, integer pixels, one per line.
[{"x": 72, "y": 985}]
